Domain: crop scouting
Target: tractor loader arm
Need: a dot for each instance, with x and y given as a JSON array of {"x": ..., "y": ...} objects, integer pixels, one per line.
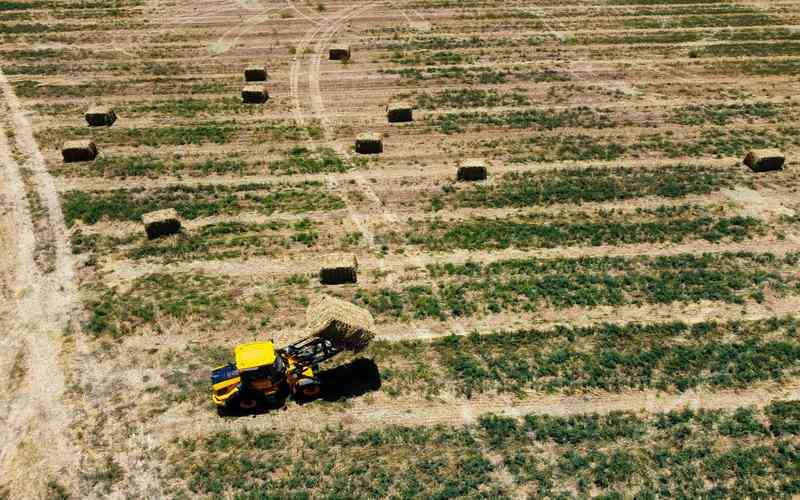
[{"x": 310, "y": 351}]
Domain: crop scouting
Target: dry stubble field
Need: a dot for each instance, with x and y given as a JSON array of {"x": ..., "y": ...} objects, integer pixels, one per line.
[{"x": 612, "y": 313}]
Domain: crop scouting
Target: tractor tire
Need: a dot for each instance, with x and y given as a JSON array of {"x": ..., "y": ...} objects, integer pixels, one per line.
[
  {"x": 307, "y": 389},
  {"x": 244, "y": 403},
  {"x": 247, "y": 403}
]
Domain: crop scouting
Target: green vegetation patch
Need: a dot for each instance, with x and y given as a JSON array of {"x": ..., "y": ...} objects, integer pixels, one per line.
[
  {"x": 692, "y": 453},
  {"x": 723, "y": 114},
  {"x": 17, "y": 6},
  {"x": 474, "y": 75},
  {"x": 148, "y": 165},
  {"x": 527, "y": 285},
  {"x": 216, "y": 133},
  {"x": 203, "y": 298},
  {"x": 590, "y": 184},
  {"x": 754, "y": 67},
  {"x": 674, "y": 37},
  {"x": 431, "y": 58},
  {"x": 666, "y": 356},
  {"x": 387, "y": 463},
  {"x": 752, "y": 49},
  {"x": 189, "y": 107},
  {"x": 226, "y": 240},
  {"x": 719, "y": 142},
  {"x": 683, "y": 453},
  {"x": 469, "y": 98},
  {"x": 198, "y": 201},
  {"x": 584, "y": 117},
  {"x": 665, "y": 224},
  {"x": 303, "y": 161},
  {"x": 718, "y": 21}
]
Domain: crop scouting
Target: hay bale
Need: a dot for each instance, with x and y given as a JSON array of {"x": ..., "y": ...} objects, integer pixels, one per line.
[
  {"x": 764, "y": 160},
  {"x": 398, "y": 112},
  {"x": 339, "y": 53},
  {"x": 255, "y": 74},
  {"x": 369, "y": 143},
  {"x": 339, "y": 269},
  {"x": 161, "y": 223},
  {"x": 255, "y": 94},
  {"x": 83, "y": 150},
  {"x": 346, "y": 325},
  {"x": 100, "y": 116},
  {"x": 472, "y": 170}
]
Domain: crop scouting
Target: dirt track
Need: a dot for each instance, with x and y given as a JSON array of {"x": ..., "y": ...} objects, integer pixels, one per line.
[{"x": 42, "y": 305}]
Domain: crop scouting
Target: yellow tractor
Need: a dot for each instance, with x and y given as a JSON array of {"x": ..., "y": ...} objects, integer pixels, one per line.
[{"x": 263, "y": 376}]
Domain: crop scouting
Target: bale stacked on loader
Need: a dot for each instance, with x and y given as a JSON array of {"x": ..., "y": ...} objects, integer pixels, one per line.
[
  {"x": 344, "y": 324},
  {"x": 255, "y": 94},
  {"x": 255, "y": 74},
  {"x": 764, "y": 160},
  {"x": 472, "y": 170},
  {"x": 83, "y": 150},
  {"x": 338, "y": 269},
  {"x": 339, "y": 53},
  {"x": 100, "y": 116},
  {"x": 399, "y": 112},
  {"x": 161, "y": 223}
]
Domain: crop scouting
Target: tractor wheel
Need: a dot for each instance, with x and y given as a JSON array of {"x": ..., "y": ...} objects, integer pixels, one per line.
[
  {"x": 307, "y": 389},
  {"x": 245, "y": 403},
  {"x": 311, "y": 390}
]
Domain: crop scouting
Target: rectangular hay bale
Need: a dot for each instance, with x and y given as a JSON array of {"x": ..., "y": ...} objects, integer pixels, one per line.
[
  {"x": 255, "y": 74},
  {"x": 764, "y": 160},
  {"x": 339, "y": 53},
  {"x": 472, "y": 170},
  {"x": 344, "y": 324},
  {"x": 369, "y": 143},
  {"x": 100, "y": 116},
  {"x": 81, "y": 150},
  {"x": 399, "y": 112},
  {"x": 339, "y": 269},
  {"x": 161, "y": 223},
  {"x": 255, "y": 94}
]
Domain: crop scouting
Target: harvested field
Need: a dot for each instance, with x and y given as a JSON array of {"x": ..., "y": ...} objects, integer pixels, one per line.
[{"x": 559, "y": 243}]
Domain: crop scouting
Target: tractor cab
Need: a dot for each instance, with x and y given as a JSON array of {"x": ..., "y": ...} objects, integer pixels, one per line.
[{"x": 259, "y": 366}]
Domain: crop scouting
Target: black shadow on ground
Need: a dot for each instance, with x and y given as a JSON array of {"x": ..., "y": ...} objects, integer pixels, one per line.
[{"x": 349, "y": 380}]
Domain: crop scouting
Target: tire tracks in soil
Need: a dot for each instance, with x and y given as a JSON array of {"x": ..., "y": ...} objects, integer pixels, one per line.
[
  {"x": 456, "y": 411},
  {"x": 317, "y": 107},
  {"x": 35, "y": 446}
]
